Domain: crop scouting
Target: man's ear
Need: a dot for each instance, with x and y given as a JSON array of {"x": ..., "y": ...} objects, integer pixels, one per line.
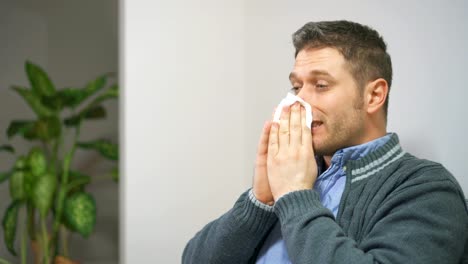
[{"x": 375, "y": 94}]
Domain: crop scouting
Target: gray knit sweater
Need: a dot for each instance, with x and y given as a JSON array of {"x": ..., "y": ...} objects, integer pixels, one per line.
[{"x": 395, "y": 208}]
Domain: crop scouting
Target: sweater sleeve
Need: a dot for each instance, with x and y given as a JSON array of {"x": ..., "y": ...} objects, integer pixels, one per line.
[
  {"x": 235, "y": 236},
  {"x": 423, "y": 223}
]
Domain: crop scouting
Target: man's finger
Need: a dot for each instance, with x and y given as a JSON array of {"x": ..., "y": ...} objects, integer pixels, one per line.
[
  {"x": 306, "y": 132},
  {"x": 283, "y": 135},
  {"x": 263, "y": 143},
  {"x": 295, "y": 129},
  {"x": 273, "y": 141}
]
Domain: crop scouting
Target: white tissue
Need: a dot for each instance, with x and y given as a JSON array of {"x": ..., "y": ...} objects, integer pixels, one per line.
[{"x": 289, "y": 100}]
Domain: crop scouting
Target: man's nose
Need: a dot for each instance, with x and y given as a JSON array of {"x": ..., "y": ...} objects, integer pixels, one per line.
[
  {"x": 301, "y": 94},
  {"x": 306, "y": 97}
]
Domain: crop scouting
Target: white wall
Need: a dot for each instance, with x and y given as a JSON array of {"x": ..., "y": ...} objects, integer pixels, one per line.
[
  {"x": 201, "y": 77},
  {"x": 183, "y": 125}
]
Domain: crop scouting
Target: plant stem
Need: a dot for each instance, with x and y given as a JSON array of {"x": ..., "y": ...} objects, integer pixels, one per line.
[
  {"x": 55, "y": 165},
  {"x": 24, "y": 239},
  {"x": 63, "y": 190},
  {"x": 55, "y": 151},
  {"x": 64, "y": 240},
  {"x": 45, "y": 240},
  {"x": 77, "y": 183},
  {"x": 31, "y": 222}
]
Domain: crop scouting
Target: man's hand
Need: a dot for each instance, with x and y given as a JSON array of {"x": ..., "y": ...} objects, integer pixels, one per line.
[
  {"x": 261, "y": 187},
  {"x": 291, "y": 164}
]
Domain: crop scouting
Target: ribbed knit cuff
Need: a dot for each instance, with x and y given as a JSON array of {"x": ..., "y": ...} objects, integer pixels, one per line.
[
  {"x": 253, "y": 217},
  {"x": 263, "y": 206},
  {"x": 299, "y": 203}
]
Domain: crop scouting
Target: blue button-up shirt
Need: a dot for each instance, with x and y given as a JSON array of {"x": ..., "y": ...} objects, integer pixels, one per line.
[{"x": 330, "y": 185}]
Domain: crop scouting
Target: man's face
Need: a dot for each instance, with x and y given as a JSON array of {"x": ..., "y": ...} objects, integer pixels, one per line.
[{"x": 321, "y": 78}]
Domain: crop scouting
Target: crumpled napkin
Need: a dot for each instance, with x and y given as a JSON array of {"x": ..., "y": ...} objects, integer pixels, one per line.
[{"x": 289, "y": 100}]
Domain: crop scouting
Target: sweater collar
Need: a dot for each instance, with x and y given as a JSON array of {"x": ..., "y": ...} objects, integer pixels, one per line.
[
  {"x": 342, "y": 156},
  {"x": 376, "y": 160}
]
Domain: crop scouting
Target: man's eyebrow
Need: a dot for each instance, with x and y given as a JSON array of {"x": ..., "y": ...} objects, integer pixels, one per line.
[{"x": 293, "y": 75}]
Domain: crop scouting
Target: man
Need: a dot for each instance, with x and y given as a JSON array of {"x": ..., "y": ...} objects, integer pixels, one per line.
[{"x": 343, "y": 191}]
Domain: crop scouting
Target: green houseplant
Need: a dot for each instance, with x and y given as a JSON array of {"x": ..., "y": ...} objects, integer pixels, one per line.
[{"x": 41, "y": 181}]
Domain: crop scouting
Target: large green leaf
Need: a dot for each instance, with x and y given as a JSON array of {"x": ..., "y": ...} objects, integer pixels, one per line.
[
  {"x": 73, "y": 97},
  {"x": 29, "y": 184},
  {"x": 43, "y": 193},
  {"x": 95, "y": 112},
  {"x": 37, "y": 161},
  {"x": 21, "y": 163},
  {"x": 72, "y": 121},
  {"x": 7, "y": 148},
  {"x": 67, "y": 97},
  {"x": 9, "y": 222},
  {"x": 80, "y": 213},
  {"x": 4, "y": 175},
  {"x": 34, "y": 102},
  {"x": 21, "y": 127},
  {"x": 105, "y": 147},
  {"x": 77, "y": 180},
  {"x": 17, "y": 185},
  {"x": 40, "y": 82},
  {"x": 45, "y": 128},
  {"x": 53, "y": 102},
  {"x": 95, "y": 85},
  {"x": 111, "y": 93}
]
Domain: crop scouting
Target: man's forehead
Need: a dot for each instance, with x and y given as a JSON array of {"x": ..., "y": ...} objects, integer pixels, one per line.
[
  {"x": 318, "y": 55},
  {"x": 318, "y": 61},
  {"x": 314, "y": 72}
]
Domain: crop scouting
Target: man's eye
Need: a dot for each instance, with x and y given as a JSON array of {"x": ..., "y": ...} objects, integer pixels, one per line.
[
  {"x": 294, "y": 90},
  {"x": 321, "y": 86}
]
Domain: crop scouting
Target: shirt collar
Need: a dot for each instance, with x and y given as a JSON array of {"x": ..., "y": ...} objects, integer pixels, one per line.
[{"x": 352, "y": 153}]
